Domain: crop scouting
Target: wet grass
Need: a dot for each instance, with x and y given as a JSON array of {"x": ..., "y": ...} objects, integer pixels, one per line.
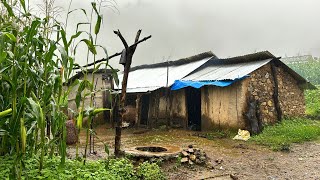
[{"x": 280, "y": 136}]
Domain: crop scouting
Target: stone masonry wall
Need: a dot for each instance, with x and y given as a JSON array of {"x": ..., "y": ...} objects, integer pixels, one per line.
[
  {"x": 291, "y": 96},
  {"x": 261, "y": 88}
]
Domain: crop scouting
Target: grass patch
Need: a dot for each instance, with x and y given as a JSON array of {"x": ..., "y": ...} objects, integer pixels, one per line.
[
  {"x": 313, "y": 102},
  {"x": 282, "y": 135}
]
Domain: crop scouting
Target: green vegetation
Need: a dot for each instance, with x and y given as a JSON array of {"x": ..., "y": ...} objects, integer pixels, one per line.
[
  {"x": 308, "y": 69},
  {"x": 280, "y": 136},
  {"x": 313, "y": 102},
  {"x": 36, "y": 57},
  {"x": 107, "y": 169}
]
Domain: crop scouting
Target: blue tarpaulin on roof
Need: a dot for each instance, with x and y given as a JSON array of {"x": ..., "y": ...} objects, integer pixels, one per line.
[{"x": 179, "y": 84}]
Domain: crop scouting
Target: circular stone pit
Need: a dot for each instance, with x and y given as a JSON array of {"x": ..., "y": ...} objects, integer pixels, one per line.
[{"x": 153, "y": 151}]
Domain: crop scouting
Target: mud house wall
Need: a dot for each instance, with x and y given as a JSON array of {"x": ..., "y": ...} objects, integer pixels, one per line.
[
  {"x": 99, "y": 97},
  {"x": 176, "y": 107},
  {"x": 223, "y": 107},
  {"x": 261, "y": 88}
]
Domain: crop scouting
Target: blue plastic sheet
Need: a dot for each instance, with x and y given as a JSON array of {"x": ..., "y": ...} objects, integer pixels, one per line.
[{"x": 179, "y": 84}]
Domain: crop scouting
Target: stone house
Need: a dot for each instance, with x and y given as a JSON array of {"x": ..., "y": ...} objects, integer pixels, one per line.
[{"x": 206, "y": 92}]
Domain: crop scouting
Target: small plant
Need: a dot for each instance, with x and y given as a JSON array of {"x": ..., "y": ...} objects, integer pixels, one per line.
[
  {"x": 122, "y": 167},
  {"x": 149, "y": 171},
  {"x": 178, "y": 161}
]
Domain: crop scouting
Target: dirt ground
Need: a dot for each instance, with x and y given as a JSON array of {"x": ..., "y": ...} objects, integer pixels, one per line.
[{"x": 243, "y": 160}]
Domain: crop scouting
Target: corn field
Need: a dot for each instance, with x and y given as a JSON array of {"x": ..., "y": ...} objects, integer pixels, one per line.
[{"x": 36, "y": 58}]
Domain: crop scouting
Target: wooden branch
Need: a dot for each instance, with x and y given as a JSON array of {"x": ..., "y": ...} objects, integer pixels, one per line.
[
  {"x": 100, "y": 60},
  {"x": 137, "y": 36},
  {"x": 116, "y": 54},
  {"x": 140, "y": 41},
  {"x": 118, "y": 33}
]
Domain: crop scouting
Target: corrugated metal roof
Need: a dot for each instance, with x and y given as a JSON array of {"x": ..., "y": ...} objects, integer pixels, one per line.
[
  {"x": 138, "y": 90},
  {"x": 215, "y": 72},
  {"x": 149, "y": 78}
]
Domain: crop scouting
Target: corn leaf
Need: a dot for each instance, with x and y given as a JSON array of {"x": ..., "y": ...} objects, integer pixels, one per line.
[
  {"x": 5, "y": 112},
  {"x": 98, "y": 24}
]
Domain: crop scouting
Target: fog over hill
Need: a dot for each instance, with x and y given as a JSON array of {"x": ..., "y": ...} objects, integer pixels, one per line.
[{"x": 182, "y": 28}]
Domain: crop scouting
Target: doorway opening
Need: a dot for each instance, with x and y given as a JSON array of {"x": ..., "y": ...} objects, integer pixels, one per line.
[
  {"x": 193, "y": 96},
  {"x": 144, "y": 109}
]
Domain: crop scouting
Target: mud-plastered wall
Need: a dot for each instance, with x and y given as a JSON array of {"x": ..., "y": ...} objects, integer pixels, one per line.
[
  {"x": 99, "y": 97},
  {"x": 175, "y": 107},
  {"x": 223, "y": 107}
]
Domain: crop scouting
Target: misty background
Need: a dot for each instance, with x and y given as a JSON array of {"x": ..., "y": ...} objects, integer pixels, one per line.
[{"x": 182, "y": 28}]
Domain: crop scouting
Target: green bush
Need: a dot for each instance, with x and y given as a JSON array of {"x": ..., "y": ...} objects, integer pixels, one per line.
[
  {"x": 149, "y": 171},
  {"x": 122, "y": 167},
  {"x": 281, "y": 135},
  {"x": 313, "y": 102},
  {"x": 108, "y": 169}
]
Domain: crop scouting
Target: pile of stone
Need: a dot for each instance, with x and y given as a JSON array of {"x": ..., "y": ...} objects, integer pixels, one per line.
[{"x": 193, "y": 155}]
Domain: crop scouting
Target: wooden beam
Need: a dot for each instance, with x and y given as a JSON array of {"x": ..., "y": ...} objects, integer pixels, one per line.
[{"x": 276, "y": 91}]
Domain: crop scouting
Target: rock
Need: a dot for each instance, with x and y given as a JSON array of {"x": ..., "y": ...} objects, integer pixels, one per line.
[
  {"x": 197, "y": 152},
  {"x": 153, "y": 160},
  {"x": 190, "y": 146},
  {"x": 190, "y": 162},
  {"x": 184, "y": 160},
  {"x": 198, "y": 161},
  {"x": 268, "y": 81},
  {"x": 264, "y": 103},
  {"x": 192, "y": 157},
  {"x": 203, "y": 154},
  {"x": 267, "y": 75},
  {"x": 190, "y": 150},
  {"x": 202, "y": 158},
  {"x": 209, "y": 166},
  {"x": 234, "y": 177},
  {"x": 219, "y": 161},
  {"x": 271, "y": 114},
  {"x": 185, "y": 154},
  {"x": 270, "y": 103}
]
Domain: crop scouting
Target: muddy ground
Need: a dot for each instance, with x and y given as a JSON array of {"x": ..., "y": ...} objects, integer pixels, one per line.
[{"x": 243, "y": 160}]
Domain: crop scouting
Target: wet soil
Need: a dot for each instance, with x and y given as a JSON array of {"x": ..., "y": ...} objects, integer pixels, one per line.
[{"x": 242, "y": 160}]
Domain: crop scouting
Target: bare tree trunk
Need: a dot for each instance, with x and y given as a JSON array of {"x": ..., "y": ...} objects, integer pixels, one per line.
[{"x": 129, "y": 51}]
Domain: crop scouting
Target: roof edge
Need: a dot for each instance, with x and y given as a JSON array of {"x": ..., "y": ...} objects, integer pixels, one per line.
[{"x": 181, "y": 61}]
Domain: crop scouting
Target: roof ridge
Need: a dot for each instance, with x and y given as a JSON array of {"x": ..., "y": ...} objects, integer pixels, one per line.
[{"x": 180, "y": 61}]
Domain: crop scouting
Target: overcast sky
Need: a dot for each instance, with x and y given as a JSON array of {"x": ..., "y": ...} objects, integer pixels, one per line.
[{"x": 182, "y": 28}]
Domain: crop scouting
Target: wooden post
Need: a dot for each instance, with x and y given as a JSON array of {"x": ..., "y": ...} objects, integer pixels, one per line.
[
  {"x": 129, "y": 51},
  {"x": 276, "y": 91},
  {"x": 138, "y": 110}
]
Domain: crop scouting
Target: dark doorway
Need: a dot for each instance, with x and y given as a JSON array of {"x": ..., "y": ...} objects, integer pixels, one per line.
[
  {"x": 144, "y": 109},
  {"x": 193, "y": 96}
]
